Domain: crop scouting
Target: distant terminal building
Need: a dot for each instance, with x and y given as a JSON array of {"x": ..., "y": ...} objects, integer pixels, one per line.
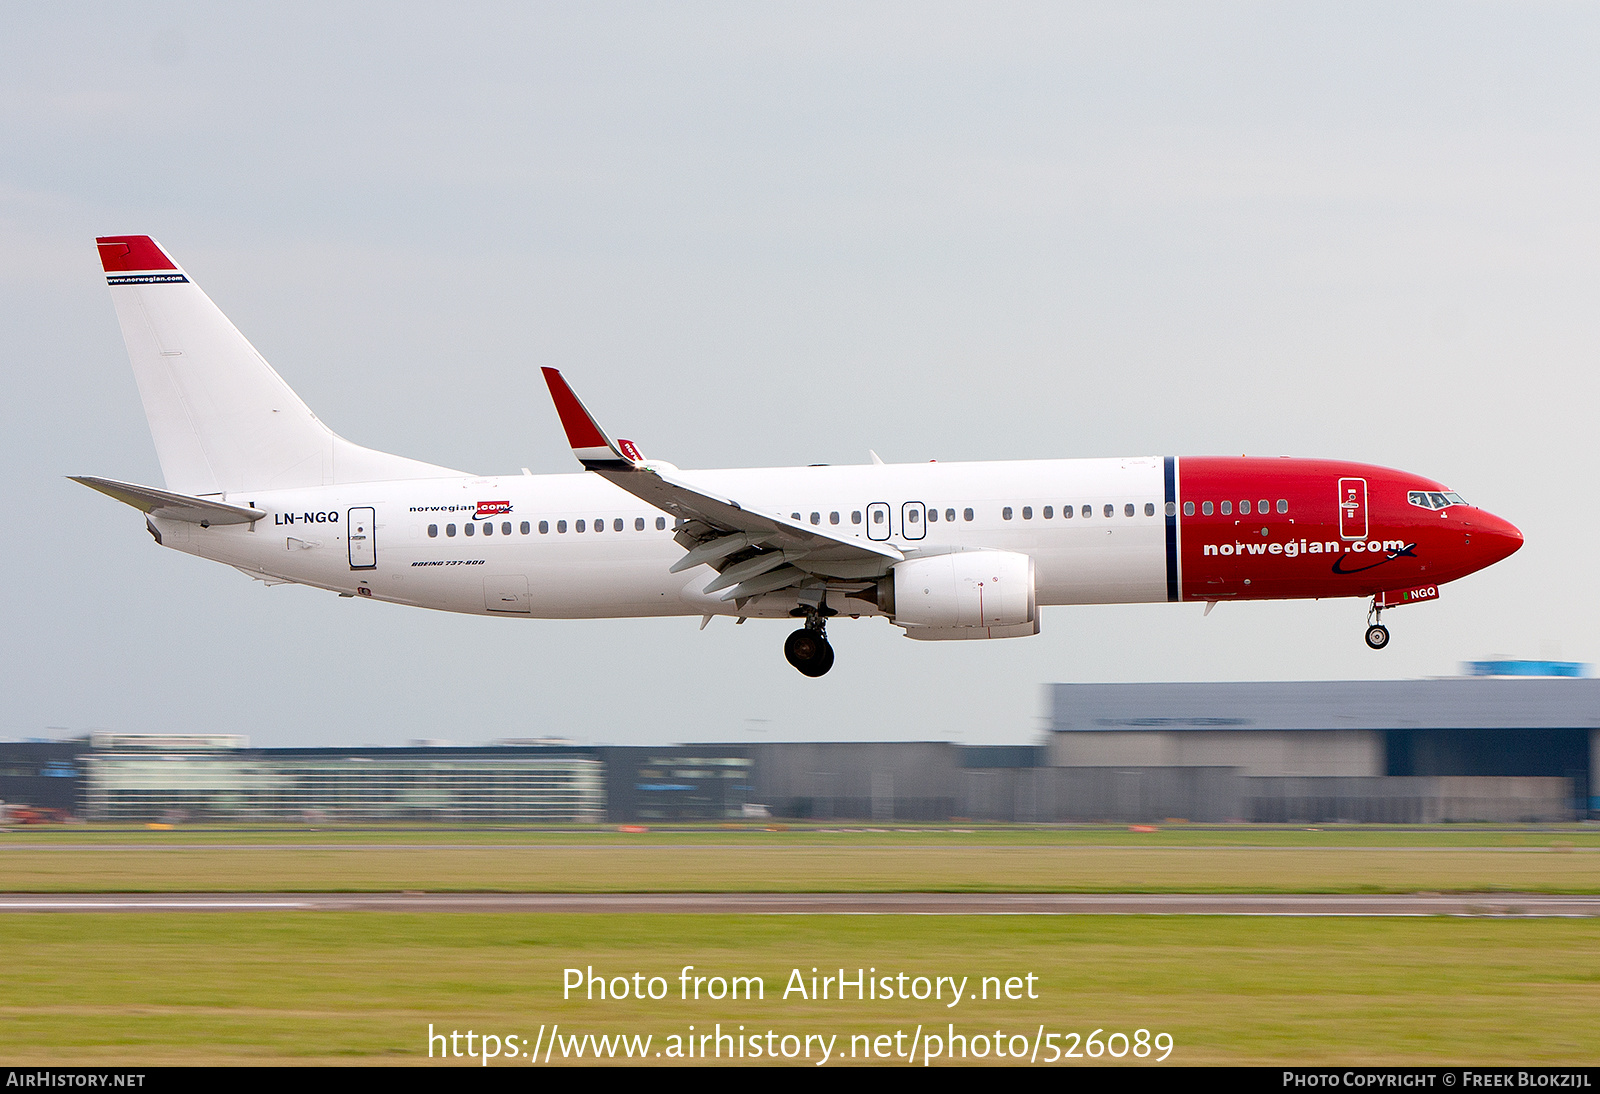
[
  {"x": 1526, "y": 668},
  {"x": 1508, "y": 725},
  {"x": 219, "y": 778},
  {"x": 1500, "y": 744}
]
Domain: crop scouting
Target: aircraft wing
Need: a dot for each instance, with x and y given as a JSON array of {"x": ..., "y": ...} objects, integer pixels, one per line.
[
  {"x": 755, "y": 552},
  {"x": 163, "y": 503}
]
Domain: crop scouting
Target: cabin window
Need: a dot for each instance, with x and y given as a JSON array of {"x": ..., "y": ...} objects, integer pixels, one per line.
[
  {"x": 449, "y": 529},
  {"x": 1263, "y": 507},
  {"x": 795, "y": 517},
  {"x": 505, "y": 528},
  {"x": 580, "y": 526},
  {"x": 816, "y": 518},
  {"x": 1027, "y": 512},
  {"x": 1188, "y": 508},
  {"x": 1244, "y": 508},
  {"x": 1205, "y": 508},
  {"x": 1005, "y": 514},
  {"x": 966, "y": 514},
  {"x": 433, "y": 531},
  {"x": 1066, "y": 512},
  {"x": 1110, "y": 509},
  {"x": 855, "y": 516},
  {"x": 561, "y": 526},
  {"x": 616, "y": 525},
  {"x": 933, "y": 516},
  {"x": 1227, "y": 508},
  {"x": 1172, "y": 509},
  {"x": 833, "y": 518},
  {"x": 1086, "y": 511},
  {"x": 1047, "y": 512},
  {"x": 878, "y": 516},
  {"x": 470, "y": 529},
  {"x": 638, "y": 524},
  {"x": 1127, "y": 510},
  {"x": 544, "y": 527},
  {"x": 950, "y": 515},
  {"x": 1149, "y": 508},
  {"x": 661, "y": 523},
  {"x": 488, "y": 528},
  {"x": 1283, "y": 505}
]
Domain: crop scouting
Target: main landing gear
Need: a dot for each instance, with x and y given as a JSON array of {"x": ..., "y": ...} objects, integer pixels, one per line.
[
  {"x": 1377, "y": 633},
  {"x": 807, "y": 648}
]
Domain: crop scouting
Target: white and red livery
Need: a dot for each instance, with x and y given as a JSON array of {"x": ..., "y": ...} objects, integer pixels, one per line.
[{"x": 943, "y": 550}]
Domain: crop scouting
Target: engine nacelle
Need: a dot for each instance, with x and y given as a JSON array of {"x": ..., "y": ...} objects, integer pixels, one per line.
[{"x": 976, "y": 594}]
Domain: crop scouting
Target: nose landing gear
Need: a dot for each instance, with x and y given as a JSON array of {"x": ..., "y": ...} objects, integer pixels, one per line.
[
  {"x": 807, "y": 648},
  {"x": 1377, "y": 633}
]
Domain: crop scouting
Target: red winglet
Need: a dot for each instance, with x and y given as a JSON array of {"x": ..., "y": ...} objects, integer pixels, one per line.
[
  {"x": 582, "y": 432},
  {"x": 121, "y": 254}
]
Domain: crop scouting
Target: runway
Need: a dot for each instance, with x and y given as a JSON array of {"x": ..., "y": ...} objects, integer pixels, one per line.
[{"x": 1517, "y": 905}]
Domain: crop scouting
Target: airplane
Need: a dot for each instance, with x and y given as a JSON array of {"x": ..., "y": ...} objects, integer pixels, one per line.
[{"x": 946, "y": 551}]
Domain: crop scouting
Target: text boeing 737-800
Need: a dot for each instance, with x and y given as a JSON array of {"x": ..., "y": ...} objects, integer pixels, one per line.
[{"x": 944, "y": 550}]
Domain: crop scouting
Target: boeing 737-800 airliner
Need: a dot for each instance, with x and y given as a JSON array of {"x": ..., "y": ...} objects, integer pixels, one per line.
[{"x": 944, "y": 550}]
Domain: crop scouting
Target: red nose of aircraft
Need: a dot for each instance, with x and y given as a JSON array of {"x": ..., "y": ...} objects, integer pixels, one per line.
[{"x": 1500, "y": 537}]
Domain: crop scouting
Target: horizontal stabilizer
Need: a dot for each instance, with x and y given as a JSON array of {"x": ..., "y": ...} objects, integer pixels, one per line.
[{"x": 162, "y": 503}]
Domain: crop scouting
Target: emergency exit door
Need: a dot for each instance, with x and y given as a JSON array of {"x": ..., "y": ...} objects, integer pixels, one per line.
[
  {"x": 358, "y": 535},
  {"x": 1353, "y": 508},
  {"x": 878, "y": 520}
]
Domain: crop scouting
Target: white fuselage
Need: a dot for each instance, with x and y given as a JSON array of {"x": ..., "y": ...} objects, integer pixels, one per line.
[{"x": 418, "y": 552}]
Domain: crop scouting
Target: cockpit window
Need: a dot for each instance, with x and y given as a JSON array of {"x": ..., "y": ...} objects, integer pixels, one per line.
[{"x": 1435, "y": 499}]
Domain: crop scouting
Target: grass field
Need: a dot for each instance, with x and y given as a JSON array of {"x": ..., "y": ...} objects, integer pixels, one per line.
[
  {"x": 335, "y": 987},
  {"x": 1176, "y": 859},
  {"x": 363, "y": 988}
]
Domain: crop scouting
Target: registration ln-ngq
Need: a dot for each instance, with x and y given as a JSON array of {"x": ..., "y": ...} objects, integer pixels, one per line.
[{"x": 943, "y": 550}]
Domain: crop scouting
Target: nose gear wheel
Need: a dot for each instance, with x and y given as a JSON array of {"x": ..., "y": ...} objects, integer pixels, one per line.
[{"x": 1377, "y": 633}]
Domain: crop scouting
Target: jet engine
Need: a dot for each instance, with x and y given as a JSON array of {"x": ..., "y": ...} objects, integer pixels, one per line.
[{"x": 964, "y": 594}]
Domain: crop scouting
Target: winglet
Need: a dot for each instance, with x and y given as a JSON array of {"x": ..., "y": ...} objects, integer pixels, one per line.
[{"x": 594, "y": 449}]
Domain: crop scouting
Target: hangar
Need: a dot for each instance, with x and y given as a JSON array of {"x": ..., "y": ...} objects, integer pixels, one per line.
[{"x": 1506, "y": 747}]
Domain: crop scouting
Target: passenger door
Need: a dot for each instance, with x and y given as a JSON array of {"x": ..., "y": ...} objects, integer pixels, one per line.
[
  {"x": 1353, "y": 508},
  {"x": 358, "y": 535}
]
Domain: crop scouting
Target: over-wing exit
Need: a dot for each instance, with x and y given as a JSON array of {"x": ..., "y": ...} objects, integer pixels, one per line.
[{"x": 943, "y": 550}]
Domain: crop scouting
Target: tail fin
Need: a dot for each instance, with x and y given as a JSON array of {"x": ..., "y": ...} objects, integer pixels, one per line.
[{"x": 222, "y": 419}]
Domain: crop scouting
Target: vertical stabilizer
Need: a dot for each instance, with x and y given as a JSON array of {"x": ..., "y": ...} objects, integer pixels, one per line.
[{"x": 221, "y": 418}]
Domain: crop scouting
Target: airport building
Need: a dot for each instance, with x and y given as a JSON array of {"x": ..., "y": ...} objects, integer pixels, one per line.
[
  {"x": 220, "y": 778},
  {"x": 1504, "y": 747}
]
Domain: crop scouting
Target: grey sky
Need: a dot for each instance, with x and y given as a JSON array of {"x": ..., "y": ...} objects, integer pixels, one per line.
[{"x": 779, "y": 234}]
